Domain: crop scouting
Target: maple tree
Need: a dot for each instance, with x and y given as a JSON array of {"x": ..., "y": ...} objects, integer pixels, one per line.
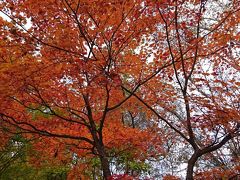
[
  {"x": 113, "y": 80},
  {"x": 204, "y": 109},
  {"x": 69, "y": 86}
]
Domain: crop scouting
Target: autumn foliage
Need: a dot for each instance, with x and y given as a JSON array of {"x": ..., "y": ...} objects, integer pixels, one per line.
[{"x": 104, "y": 88}]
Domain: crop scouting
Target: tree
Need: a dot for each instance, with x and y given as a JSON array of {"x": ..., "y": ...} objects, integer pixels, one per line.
[
  {"x": 61, "y": 77},
  {"x": 93, "y": 79},
  {"x": 204, "y": 109}
]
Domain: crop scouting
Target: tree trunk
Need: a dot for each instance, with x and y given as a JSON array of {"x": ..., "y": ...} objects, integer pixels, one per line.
[
  {"x": 191, "y": 164},
  {"x": 103, "y": 158},
  {"x": 105, "y": 167}
]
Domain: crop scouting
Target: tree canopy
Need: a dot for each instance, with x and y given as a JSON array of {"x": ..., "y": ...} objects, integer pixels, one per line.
[{"x": 121, "y": 89}]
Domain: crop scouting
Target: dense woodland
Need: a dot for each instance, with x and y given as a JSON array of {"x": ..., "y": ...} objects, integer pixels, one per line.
[{"x": 119, "y": 89}]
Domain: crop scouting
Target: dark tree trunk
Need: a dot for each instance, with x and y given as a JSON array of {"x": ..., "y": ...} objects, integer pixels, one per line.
[
  {"x": 198, "y": 153},
  {"x": 103, "y": 158},
  {"x": 105, "y": 167},
  {"x": 191, "y": 164}
]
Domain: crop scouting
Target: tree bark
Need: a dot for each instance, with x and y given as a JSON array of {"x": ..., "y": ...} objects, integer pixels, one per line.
[
  {"x": 105, "y": 167},
  {"x": 191, "y": 164},
  {"x": 104, "y": 160}
]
